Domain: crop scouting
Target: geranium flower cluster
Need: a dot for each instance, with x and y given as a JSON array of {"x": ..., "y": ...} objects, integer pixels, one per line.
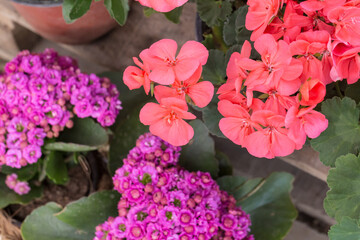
[
  {"x": 19, "y": 187},
  {"x": 39, "y": 95},
  {"x": 162, "y": 201},
  {"x": 303, "y": 46},
  {"x": 162, "y": 5},
  {"x": 182, "y": 73}
]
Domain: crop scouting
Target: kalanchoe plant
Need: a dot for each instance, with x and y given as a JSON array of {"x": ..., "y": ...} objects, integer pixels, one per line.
[
  {"x": 45, "y": 98},
  {"x": 162, "y": 201}
]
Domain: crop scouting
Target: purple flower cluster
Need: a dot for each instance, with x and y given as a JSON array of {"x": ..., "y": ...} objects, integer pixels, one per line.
[
  {"x": 19, "y": 187},
  {"x": 163, "y": 201},
  {"x": 39, "y": 95}
]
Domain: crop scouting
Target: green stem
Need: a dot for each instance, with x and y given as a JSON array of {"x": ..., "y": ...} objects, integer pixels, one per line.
[
  {"x": 338, "y": 89},
  {"x": 218, "y": 38}
]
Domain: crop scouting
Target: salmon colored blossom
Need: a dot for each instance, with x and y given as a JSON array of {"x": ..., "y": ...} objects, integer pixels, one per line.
[
  {"x": 166, "y": 120},
  {"x": 304, "y": 122},
  {"x": 166, "y": 66},
  {"x": 260, "y": 15},
  {"x": 162, "y": 5},
  {"x": 312, "y": 92},
  {"x": 272, "y": 140},
  {"x": 136, "y": 77}
]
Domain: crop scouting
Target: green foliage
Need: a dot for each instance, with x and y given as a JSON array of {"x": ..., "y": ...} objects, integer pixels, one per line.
[
  {"x": 343, "y": 133},
  {"x": 344, "y": 181},
  {"x": 225, "y": 168},
  {"x": 199, "y": 153},
  {"x": 56, "y": 169},
  {"x": 215, "y": 68},
  {"x": 8, "y": 196},
  {"x": 353, "y": 90},
  {"x": 77, "y": 221},
  {"x": 211, "y": 118},
  {"x": 174, "y": 15},
  {"x": 24, "y": 173},
  {"x": 234, "y": 31},
  {"x": 86, "y": 135},
  {"x": 74, "y": 9},
  {"x": 213, "y": 12},
  {"x": 346, "y": 229},
  {"x": 267, "y": 201},
  {"x": 118, "y": 10}
]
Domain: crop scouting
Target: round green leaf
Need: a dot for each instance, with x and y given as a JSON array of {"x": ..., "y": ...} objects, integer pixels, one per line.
[
  {"x": 213, "y": 12},
  {"x": 215, "y": 68},
  {"x": 88, "y": 212},
  {"x": 174, "y": 15},
  {"x": 124, "y": 139},
  {"x": 118, "y": 9},
  {"x": 211, "y": 117},
  {"x": 343, "y": 133},
  {"x": 68, "y": 147},
  {"x": 42, "y": 224},
  {"x": 344, "y": 182},
  {"x": 24, "y": 173},
  {"x": 346, "y": 229},
  {"x": 269, "y": 205},
  {"x": 85, "y": 132},
  {"x": 56, "y": 168},
  {"x": 230, "y": 184},
  {"x": 199, "y": 153}
]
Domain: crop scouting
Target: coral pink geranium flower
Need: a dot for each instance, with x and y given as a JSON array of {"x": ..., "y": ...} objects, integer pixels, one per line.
[
  {"x": 166, "y": 120},
  {"x": 200, "y": 93},
  {"x": 346, "y": 62},
  {"x": 304, "y": 122},
  {"x": 166, "y": 66},
  {"x": 260, "y": 14},
  {"x": 135, "y": 77},
  {"x": 272, "y": 140},
  {"x": 237, "y": 124},
  {"x": 162, "y": 5},
  {"x": 312, "y": 92},
  {"x": 347, "y": 20},
  {"x": 235, "y": 73}
]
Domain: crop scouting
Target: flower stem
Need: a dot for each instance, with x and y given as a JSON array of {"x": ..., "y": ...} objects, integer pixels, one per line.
[
  {"x": 216, "y": 30},
  {"x": 338, "y": 91}
]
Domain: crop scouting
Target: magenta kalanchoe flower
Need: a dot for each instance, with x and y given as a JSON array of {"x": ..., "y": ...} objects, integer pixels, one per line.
[
  {"x": 161, "y": 200},
  {"x": 39, "y": 95},
  {"x": 19, "y": 187}
]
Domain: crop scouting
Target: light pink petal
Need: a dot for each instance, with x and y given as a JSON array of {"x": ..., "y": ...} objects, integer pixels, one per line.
[
  {"x": 194, "y": 50},
  {"x": 235, "y": 129},
  {"x": 174, "y": 102},
  {"x": 177, "y": 133},
  {"x": 281, "y": 144},
  {"x": 265, "y": 44},
  {"x": 201, "y": 93},
  {"x": 133, "y": 77},
  {"x": 152, "y": 113},
  {"x": 161, "y": 92},
  {"x": 228, "y": 109},
  {"x": 258, "y": 144},
  {"x": 293, "y": 70},
  {"x": 185, "y": 68},
  {"x": 195, "y": 77},
  {"x": 315, "y": 123},
  {"x": 164, "y": 49},
  {"x": 162, "y": 75}
]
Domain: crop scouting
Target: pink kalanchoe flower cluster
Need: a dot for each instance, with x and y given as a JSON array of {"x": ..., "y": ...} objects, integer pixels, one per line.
[
  {"x": 19, "y": 187},
  {"x": 182, "y": 73},
  {"x": 162, "y": 201},
  {"x": 39, "y": 94}
]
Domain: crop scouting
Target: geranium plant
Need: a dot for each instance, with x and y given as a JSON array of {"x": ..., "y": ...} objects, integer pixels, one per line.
[{"x": 50, "y": 111}]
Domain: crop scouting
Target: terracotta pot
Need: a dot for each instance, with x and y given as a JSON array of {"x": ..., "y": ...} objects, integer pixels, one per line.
[{"x": 47, "y": 20}]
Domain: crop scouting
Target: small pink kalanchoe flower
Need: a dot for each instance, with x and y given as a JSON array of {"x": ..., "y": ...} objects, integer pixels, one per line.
[{"x": 162, "y": 5}]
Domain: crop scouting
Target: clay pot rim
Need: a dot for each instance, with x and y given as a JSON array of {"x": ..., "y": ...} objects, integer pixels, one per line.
[{"x": 40, "y": 3}]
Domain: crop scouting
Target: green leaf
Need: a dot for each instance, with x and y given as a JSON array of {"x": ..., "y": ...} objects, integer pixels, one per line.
[
  {"x": 68, "y": 147},
  {"x": 229, "y": 31},
  {"x": 209, "y": 42},
  {"x": 42, "y": 224},
  {"x": 88, "y": 212},
  {"x": 352, "y": 91},
  {"x": 74, "y": 9},
  {"x": 124, "y": 139},
  {"x": 343, "y": 133},
  {"x": 213, "y": 12},
  {"x": 56, "y": 169},
  {"x": 344, "y": 182},
  {"x": 215, "y": 68},
  {"x": 118, "y": 9},
  {"x": 174, "y": 15},
  {"x": 225, "y": 167},
  {"x": 242, "y": 33},
  {"x": 230, "y": 184},
  {"x": 211, "y": 117},
  {"x": 268, "y": 201},
  {"x": 85, "y": 132},
  {"x": 149, "y": 11},
  {"x": 8, "y": 196},
  {"x": 24, "y": 173},
  {"x": 199, "y": 153},
  {"x": 346, "y": 229}
]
